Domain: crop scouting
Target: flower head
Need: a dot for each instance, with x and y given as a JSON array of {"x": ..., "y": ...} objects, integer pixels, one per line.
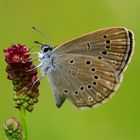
[
  {"x": 17, "y": 54},
  {"x": 13, "y": 129},
  {"x": 19, "y": 63}
]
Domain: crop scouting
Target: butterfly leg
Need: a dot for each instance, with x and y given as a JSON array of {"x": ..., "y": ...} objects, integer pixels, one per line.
[
  {"x": 34, "y": 59},
  {"x": 39, "y": 79},
  {"x": 39, "y": 66}
]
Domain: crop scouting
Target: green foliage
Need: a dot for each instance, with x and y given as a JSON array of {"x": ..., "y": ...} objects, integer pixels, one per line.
[{"x": 62, "y": 20}]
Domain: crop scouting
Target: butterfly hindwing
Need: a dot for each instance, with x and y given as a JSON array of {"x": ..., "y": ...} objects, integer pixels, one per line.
[{"x": 84, "y": 80}]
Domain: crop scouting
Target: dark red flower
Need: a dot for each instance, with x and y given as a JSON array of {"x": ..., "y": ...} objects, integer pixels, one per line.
[
  {"x": 17, "y": 54},
  {"x": 19, "y": 64}
]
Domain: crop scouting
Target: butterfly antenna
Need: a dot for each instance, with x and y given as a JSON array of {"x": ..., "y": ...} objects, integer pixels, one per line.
[
  {"x": 40, "y": 43},
  {"x": 43, "y": 34}
]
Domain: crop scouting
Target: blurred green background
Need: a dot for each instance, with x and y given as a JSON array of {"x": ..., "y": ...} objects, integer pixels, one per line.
[{"x": 61, "y": 20}]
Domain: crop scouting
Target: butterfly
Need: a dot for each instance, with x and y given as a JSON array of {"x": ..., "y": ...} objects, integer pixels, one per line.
[{"x": 87, "y": 70}]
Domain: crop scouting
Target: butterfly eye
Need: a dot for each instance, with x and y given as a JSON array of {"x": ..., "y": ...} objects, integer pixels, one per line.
[{"x": 45, "y": 49}]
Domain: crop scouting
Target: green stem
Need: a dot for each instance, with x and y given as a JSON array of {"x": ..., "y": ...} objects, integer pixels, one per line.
[{"x": 22, "y": 117}]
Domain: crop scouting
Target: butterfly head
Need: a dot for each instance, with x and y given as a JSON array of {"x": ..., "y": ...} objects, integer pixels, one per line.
[{"x": 45, "y": 49}]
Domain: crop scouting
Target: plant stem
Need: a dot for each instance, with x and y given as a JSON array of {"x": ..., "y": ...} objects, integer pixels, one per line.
[{"x": 22, "y": 117}]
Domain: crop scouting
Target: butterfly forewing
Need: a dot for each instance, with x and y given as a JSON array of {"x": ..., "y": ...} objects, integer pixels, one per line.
[
  {"x": 113, "y": 45},
  {"x": 84, "y": 80}
]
